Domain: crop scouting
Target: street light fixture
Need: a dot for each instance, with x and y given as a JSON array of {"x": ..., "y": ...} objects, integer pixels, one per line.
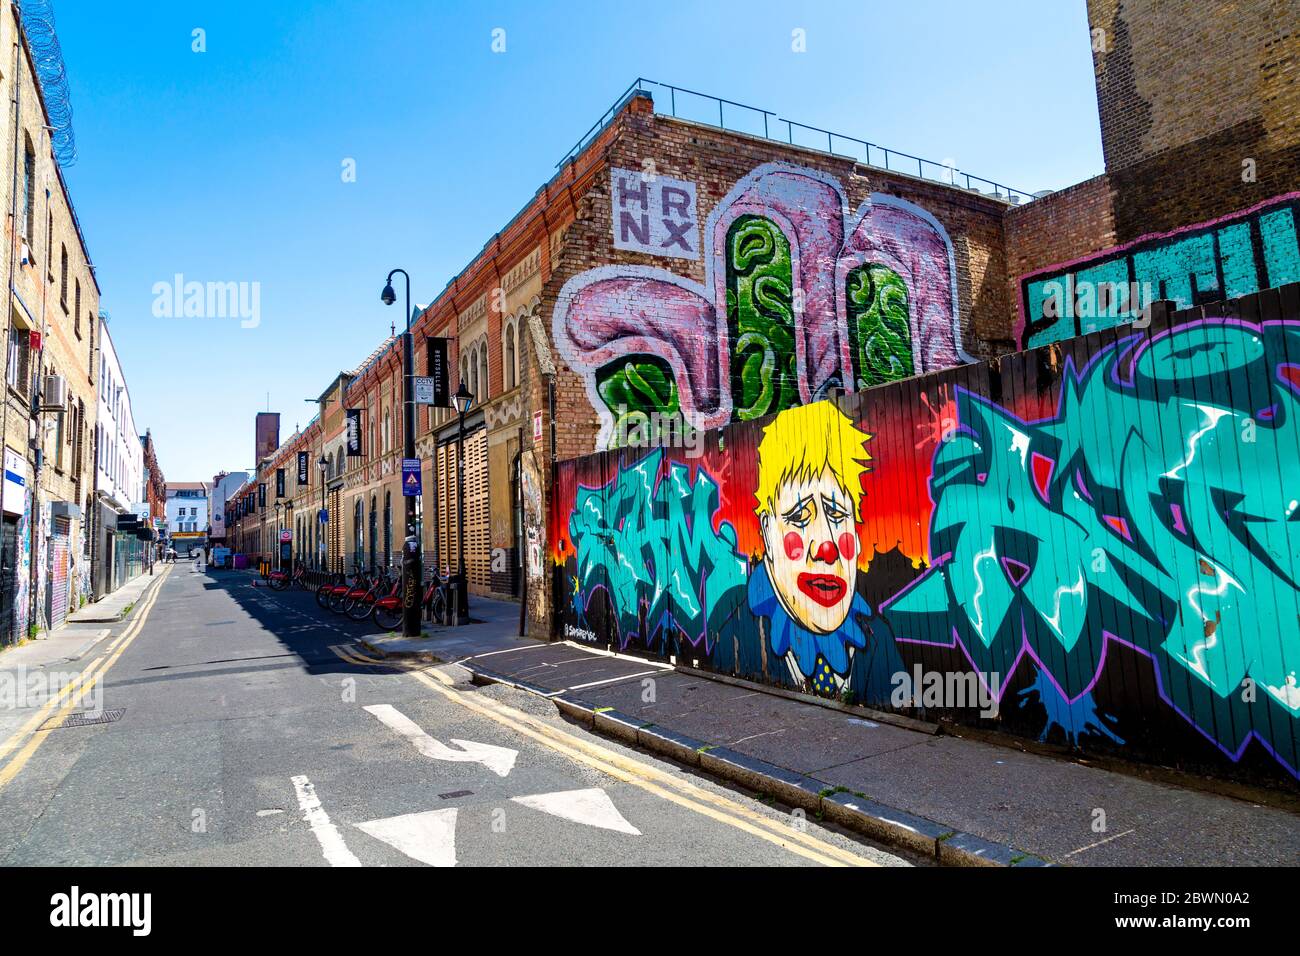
[
  {"x": 412, "y": 560},
  {"x": 322, "y": 464},
  {"x": 462, "y": 400}
]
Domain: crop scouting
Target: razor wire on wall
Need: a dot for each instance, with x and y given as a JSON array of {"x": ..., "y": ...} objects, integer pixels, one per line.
[{"x": 43, "y": 40}]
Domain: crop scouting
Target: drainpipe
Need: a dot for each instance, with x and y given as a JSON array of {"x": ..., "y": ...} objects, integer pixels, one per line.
[
  {"x": 38, "y": 399},
  {"x": 9, "y": 285}
]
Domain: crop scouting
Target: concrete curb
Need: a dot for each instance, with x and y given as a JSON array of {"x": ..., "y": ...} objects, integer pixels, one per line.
[
  {"x": 947, "y": 845},
  {"x": 407, "y": 655},
  {"x": 121, "y": 615}
]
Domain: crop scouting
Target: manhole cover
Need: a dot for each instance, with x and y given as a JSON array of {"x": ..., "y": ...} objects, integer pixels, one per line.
[{"x": 84, "y": 719}]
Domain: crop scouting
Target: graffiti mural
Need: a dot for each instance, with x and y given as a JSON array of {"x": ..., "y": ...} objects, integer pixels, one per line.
[
  {"x": 1106, "y": 545},
  {"x": 800, "y": 297},
  {"x": 1209, "y": 262}
]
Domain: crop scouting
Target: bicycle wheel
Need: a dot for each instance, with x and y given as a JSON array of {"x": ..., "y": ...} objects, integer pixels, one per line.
[
  {"x": 438, "y": 607},
  {"x": 359, "y": 609},
  {"x": 387, "y": 618},
  {"x": 323, "y": 595}
]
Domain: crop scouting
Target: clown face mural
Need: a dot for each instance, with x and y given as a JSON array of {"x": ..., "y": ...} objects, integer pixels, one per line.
[{"x": 810, "y": 465}]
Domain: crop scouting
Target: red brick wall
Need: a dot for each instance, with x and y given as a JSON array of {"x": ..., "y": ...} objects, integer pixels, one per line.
[{"x": 1057, "y": 228}]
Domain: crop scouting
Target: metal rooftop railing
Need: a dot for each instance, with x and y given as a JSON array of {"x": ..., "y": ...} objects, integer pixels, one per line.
[{"x": 740, "y": 118}]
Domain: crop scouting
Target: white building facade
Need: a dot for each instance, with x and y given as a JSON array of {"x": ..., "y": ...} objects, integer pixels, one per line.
[
  {"x": 223, "y": 486},
  {"x": 187, "y": 514},
  {"x": 117, "y": 552}
]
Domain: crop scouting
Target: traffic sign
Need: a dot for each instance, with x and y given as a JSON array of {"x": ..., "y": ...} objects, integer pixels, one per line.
[{"x": 411, "y": 477}]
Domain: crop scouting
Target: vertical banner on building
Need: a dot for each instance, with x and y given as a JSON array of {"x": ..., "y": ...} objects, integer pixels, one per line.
[
  {"x": 261, "y": 495},
  {"x": 279, "y": 482},
  {"x": 304, "y": 477},
  {"x": 354, "y": 432},
  {"x": 439, "y": 373}
]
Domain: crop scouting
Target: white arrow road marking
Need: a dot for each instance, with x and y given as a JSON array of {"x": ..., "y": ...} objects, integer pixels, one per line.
[
  {"x": 592, "y": 807},
  {"x": 500, "y": 760},
  {"x": 429, "y": 837},
  {"x": 327, "y": 834}
]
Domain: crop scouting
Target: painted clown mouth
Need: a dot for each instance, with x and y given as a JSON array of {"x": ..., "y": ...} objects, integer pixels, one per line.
[{"x": 826, "y": 589}]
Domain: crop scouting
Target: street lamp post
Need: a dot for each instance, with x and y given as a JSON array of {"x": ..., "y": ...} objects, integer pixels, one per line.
[
  {"x": 462, "y": 399},
  {"x": 322, "y": 463},
  {"x": 279, "y": 527},
  {"x": 412, "y": 560}
]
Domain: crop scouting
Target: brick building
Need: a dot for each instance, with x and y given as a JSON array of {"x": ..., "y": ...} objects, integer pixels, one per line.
[
  {"x": 674, "y": 274},
  {"x": 50, "y": 336},
  {"x": 155, "y": 483}
]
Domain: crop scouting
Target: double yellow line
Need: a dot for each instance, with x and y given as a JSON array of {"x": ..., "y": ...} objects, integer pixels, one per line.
[
  {"x": 647, "y": 777},
  {"x": 29, "y": 736}
]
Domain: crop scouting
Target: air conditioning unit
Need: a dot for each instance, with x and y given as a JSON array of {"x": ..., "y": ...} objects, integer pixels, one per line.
[
  {"x": 54, "y": 394},
  {"x": 27, "y": 257}
]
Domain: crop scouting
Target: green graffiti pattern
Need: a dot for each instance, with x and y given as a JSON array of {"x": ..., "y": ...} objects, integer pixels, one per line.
[
  {"x": 879, "y": 331},
  {"x": 760, "y": 319},
  {"x": 635, "y": 389}
]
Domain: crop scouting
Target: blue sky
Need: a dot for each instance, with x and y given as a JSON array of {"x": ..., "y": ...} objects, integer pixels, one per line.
[{"x": 225, "y": 166}]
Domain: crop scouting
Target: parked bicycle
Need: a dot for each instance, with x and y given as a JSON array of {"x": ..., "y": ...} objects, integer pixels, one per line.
[
  {"x": 342, "y": 598},
  {"x": 337, "y": 583},
  {"x": 362, "y": 607},
  {"x": 284, "y": 580},
  {"x": 439, "y": 602}
]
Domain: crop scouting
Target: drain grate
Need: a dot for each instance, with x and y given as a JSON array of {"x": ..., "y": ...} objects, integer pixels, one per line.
[{"x": 85, "y": 718}]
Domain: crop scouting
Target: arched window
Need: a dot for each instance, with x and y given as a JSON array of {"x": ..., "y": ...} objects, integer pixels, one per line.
[
  {"x": 511, "y": 369},
  {"x": 358, "y": 542},
  {"x": 387, "y": 431},
  {"x": 388, "y": 526},
  {"x": 374, "y": 534},
  {"x": 483, "y": 372},
  {"x": 473, "y": 372}
]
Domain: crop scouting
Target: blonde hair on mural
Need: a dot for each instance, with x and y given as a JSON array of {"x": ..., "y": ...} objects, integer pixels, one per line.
[{"x": 801, "y": 443}]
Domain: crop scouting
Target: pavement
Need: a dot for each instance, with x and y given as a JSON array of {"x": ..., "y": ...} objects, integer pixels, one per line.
[
  {"x": 225, "y": 724},
  {"x": 112, "y": 608},
  {"x": 904, "y": 782}
]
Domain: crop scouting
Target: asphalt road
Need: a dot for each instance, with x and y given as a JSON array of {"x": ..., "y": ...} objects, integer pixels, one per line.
[{"x": 253, "y": 732}]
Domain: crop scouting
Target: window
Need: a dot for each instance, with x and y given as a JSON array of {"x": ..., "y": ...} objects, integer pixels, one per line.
[
  {"x": 483, "y": 371},
  {"x": 76, "y": 312},
  {"x": 388, "y": 527},
  {"x": 18, "y": 364},
  {"x": 29, "y": 192},
  {"x": 511, "y": 372},
  {"x": 63, "y": 278}
]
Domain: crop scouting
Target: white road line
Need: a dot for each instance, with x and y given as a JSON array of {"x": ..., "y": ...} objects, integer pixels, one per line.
[
  {"x": 1092, "y": 846},
  {"x": 500, "y": 760},
  {"x": 429, "y": 837},
  {"x": 508, "y": 650},
  {"x": 601, "y": 652},
  {"x": 613, "y": 680},
  {"x": 327, "y": 834},
  {"x": 591, "y": 807}
]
